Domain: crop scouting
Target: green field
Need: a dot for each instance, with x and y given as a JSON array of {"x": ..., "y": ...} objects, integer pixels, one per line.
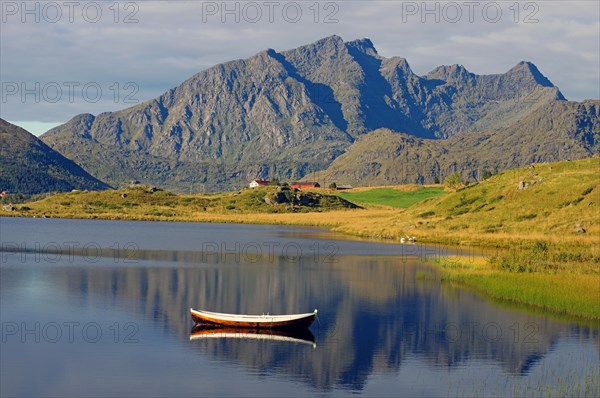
[{"x": 391, "y": 197}]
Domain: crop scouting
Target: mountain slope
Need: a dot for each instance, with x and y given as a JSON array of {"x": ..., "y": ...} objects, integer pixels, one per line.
[
  {"x": 29, "y": 166},
  {"x": 290, "y": 113},
  {"x": 560, "y": 131}
]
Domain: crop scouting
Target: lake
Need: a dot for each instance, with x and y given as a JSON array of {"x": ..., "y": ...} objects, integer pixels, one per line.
[{"x": 101, "y": 308}]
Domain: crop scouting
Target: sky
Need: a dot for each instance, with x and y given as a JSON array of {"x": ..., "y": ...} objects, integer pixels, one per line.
[{"x": 59, "y": 58}]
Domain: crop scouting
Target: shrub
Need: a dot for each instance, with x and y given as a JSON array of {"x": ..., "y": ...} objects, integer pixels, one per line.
[
  {"x": 458, "y": 212},
  {"x": 478, "y": 208},
  {"x": 492, "y": 228},
  {"x": 458, "y": 227},
  {"x": 588, "y": 190},
  {"x": 454, "y": 181},
  {"x": 465, "y": 202},
  {"x": 496, "y": 199},
  {"x": 526, "y": 217},
  {"x": 426, "y": 214},
  {"x": 579, "y": 199}
]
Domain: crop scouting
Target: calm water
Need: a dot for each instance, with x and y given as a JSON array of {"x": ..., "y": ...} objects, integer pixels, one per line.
[{"x": 101, "y": 308}]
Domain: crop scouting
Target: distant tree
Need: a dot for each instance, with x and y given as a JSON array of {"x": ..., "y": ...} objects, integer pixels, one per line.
[
  {"x": 275, "y": 181},
  {"x": 436, "y": 180},
  {"x": 333, "y": 185},
  {"x": 487, "y": 174},
  {"x": 285, "y": 184},
  {"x": 454, "y": 181}
]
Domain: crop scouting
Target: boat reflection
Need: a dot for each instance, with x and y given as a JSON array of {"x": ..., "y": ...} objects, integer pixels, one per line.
[{"x": 301, "y": 335}]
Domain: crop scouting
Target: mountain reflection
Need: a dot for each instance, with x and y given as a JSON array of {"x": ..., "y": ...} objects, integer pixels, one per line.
[{"x": 373, "y": 312}]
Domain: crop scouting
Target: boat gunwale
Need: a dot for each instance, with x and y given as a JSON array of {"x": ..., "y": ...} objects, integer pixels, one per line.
[
  {"x": 264, "y": 318},
  {"x": 259, "y": 322}
]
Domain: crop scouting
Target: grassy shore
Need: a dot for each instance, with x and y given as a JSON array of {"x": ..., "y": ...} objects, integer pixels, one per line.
[
  {"x": 565, "y": 293},
  {"x": 543, "y": 241}
]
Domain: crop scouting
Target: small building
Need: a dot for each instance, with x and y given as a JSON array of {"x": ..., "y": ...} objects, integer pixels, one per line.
[
  {"x": 259, "y": 183},
  {"x": 343, "y": 187},
  {"x": 302, "y": 185}
]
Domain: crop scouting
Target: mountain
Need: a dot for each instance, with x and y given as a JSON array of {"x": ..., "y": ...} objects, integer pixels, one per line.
[
  {"x": 562, "y": 130},
  {"x": 286, "y": 114},
  {"x": 29, "y": 166}
]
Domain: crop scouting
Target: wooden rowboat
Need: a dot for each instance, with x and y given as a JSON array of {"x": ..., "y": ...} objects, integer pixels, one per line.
[
  {"x": 299, "y": 335},
  {"x": 254, "y": 321}
]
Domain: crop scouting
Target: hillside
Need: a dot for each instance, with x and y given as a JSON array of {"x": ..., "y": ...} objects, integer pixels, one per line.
[
  {"x": 141, "y": 202},
  {"x": 286, "y": 114},
  {"x": 561, "y": 130},
  {"x": 28, "y": 166},
  {"x": 561, "y": 201}
]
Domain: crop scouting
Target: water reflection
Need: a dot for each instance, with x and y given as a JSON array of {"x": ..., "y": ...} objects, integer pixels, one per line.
[
  {"x": 374, "y": 314},
  {"x": 376, "y": 317},
  {"x": 208, "y": 332}
]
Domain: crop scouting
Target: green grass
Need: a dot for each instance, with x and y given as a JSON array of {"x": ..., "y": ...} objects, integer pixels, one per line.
[
  {"x": 572, "y": 295},
  {"x": 560, "y": 285},
  {"x": 391, "y": 197}
]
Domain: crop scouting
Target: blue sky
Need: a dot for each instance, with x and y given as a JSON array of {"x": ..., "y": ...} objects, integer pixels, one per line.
[{"x": 97, "y": 56}]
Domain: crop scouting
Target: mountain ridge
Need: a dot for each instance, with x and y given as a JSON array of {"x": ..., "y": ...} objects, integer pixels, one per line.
[
  {"x": 29, "y": 166},
  {"x": 567, "y": 131},
  {"x": 302, "y": 107}
]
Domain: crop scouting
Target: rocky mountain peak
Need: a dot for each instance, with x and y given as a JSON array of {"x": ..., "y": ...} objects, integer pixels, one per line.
[
  {"x": 398, "y": 63},
  {"x": 526, "y": 70},
  {"x": 450, "y": 73},
  {"x": 327, "y": 44},
  {"x": 364, "y": 45}
]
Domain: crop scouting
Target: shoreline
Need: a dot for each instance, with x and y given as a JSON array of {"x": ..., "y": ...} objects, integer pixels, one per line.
[{"x": 475, "y": 273}]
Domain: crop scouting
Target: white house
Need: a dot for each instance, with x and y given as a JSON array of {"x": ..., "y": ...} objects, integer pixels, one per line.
[{"x": 257, "y": 183}]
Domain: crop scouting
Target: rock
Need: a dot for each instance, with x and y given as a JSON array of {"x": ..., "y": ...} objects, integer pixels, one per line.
[
  {"x": 8, "y": 208},
  {"x": 579, "y": 228},
  {"x": 305, "y": 200},
  {"x": 523, "y": 185},
  {"x": 123, "y": 195}
]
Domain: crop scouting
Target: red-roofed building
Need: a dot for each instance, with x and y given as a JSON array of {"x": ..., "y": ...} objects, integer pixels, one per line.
[
  {"x": 259, "y": 183},
  {"x": 302, "y": 185}
]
